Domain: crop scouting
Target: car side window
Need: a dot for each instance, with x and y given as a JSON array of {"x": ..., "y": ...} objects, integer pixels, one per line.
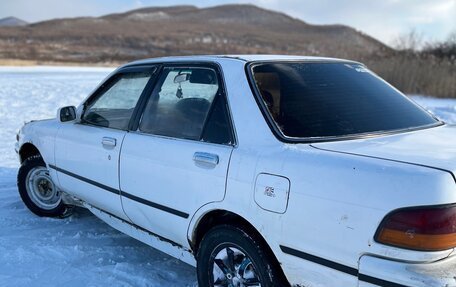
[
  {"x": 114, "y": 106},
  {"x": 183, "y": 104}
]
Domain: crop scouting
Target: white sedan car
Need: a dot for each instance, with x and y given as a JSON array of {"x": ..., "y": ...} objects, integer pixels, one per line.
[{"x": 258, "y": 170}]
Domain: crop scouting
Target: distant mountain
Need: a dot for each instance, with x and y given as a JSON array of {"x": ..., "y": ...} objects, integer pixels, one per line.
[
  {"x": 182, "y": 30},
  {"x": 12, "y": 22}
]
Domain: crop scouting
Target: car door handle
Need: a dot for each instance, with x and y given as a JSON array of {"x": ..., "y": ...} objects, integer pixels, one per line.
[
  {"x": 206, "y": 158},
  {"x": 107, "y": 141}
]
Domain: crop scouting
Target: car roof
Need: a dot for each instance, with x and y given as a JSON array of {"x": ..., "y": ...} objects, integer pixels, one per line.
[{"x": 243, "y": 58}]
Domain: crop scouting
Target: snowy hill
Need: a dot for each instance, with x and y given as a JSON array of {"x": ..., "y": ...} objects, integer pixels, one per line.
[
  {"x": 12, "y": 22},
  {"x": 183, "y": 30}
]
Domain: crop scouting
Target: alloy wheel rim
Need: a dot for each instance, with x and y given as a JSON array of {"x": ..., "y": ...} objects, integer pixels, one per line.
[
  {"x": 232, "y": 267},
  {"x": 41, "y": 189}
]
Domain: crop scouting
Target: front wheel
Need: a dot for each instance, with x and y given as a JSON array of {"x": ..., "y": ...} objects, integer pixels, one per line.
[
  {"x": 230, "y": 257},
  {"x": 37, "y": 190}
]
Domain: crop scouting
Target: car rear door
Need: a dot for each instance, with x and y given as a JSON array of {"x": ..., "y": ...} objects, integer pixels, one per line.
[
  {"x": 177, "y": 158},
  {"x": 87, "y": 152}
]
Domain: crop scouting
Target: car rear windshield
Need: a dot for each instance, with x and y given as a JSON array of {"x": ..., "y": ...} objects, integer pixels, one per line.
[{"x": 332, "y": 99}]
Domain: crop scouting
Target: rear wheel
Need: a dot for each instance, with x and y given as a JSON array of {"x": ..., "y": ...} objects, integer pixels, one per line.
[
  {"x": 37, "y": 189},
  {"x": 230, "y": 257}
]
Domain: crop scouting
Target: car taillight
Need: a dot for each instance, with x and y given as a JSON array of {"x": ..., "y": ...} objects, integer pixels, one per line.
[{"x": 424, "y": 229}]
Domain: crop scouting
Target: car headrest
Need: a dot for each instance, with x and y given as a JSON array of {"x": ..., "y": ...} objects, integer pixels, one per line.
[
  {"x": 193, "y": 106},
  {"x": 203, "y": 76}
]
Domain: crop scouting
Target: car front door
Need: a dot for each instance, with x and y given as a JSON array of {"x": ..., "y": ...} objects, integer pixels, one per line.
[
  {"x": 87, "y": 152},
  {"x": 177, "y": 159}
]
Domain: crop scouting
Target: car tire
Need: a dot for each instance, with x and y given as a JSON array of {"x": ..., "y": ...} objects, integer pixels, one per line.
[
  {"x": 38, "y": 191},
  {"x": 229, "y": 256}
]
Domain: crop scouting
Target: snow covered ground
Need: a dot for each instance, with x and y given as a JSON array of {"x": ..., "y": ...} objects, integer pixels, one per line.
[
  {"x": 79, "y": 250},
  {"x": 444, "y": 109}
]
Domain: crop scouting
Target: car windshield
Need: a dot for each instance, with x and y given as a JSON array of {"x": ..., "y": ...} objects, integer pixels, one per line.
[{"x": 333, "y": 99}]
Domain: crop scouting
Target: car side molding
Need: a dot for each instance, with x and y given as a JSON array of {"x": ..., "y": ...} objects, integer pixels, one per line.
[
  {"x": 122, "y": 193},
  {"x": 339, "y": 267}
]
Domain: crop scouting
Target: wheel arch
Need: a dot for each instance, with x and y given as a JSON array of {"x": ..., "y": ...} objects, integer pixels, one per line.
[
  {"x": 27, "y": 150},
  {"x": 217, "y": 217}
]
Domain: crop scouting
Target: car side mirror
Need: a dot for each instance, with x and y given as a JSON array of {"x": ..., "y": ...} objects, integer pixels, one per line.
[{"x": 66, "y": 114}]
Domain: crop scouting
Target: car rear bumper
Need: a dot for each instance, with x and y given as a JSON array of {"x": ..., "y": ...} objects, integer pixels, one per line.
[
  {"x": 302, "y": 269},
  {"x": 374, "y": 271}
]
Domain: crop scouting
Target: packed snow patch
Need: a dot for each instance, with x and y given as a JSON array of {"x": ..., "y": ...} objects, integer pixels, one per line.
[
  {"x": 36, "y": 93},
  {"x": 444, "y": 109},
  {"x": 79, "y": 250}
]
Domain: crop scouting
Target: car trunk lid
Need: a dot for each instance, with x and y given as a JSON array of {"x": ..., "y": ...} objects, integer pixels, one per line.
[{"x": 433, "y": 147}]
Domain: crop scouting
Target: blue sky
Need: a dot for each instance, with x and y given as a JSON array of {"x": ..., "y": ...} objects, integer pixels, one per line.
[{"x": 383, "y": 19}]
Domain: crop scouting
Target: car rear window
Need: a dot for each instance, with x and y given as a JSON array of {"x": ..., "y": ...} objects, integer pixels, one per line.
[{"x": 332, "y": 99}]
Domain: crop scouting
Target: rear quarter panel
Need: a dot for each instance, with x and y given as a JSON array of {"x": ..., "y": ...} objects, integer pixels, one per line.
[{"x": 337, "y": 202}]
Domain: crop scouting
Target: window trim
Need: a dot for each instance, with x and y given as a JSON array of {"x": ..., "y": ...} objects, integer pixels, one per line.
[
  {"x": 218, "y": 97},
  {"x": 221, "y": 93},
  {"x": 309, "y": 140},
  {"x": 108, "y": 83}
]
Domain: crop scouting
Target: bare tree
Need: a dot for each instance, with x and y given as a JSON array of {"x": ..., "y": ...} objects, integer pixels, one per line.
[
  {"x": 409, "y": 41},
  {"x": 443, "y": 49},
  {"x": 452, "y": 38}
]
